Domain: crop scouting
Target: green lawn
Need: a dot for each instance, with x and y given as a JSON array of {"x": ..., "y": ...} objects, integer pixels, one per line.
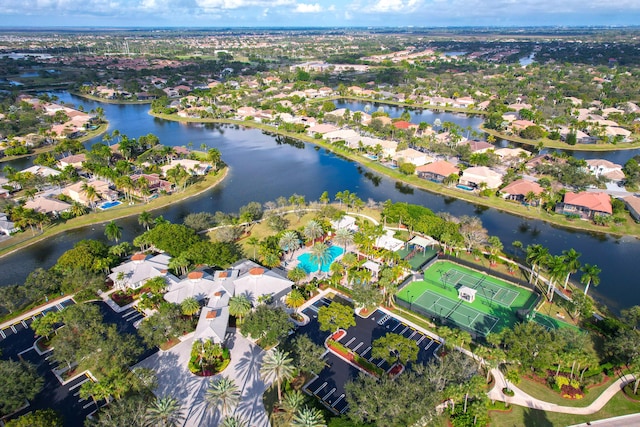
[
  {"x": 435, "y": 288},
  {"x": 419, "y": 258},
  {"x": 520, "y": 416},
  {"x": 542, "y": 392}
]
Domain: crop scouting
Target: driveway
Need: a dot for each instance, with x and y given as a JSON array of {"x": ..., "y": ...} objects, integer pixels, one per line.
[{"x": 175, "y": 379}]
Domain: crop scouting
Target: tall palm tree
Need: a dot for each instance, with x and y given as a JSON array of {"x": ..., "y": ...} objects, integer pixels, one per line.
[
  {"x": 313, "y": 230},
  {"x": 91, "y": 193},
  {"x": 213, "y": 155},
  {"x": 590, "y": 275},
  {"x": 239, "y": 306},
  {"x": 113, "y": 231},
  {"x": 571, "y": 262},
  {"x": 320, "y": 254},
  {"x": 557, "y": 269},
  {"x": 536, "y": 256},
  {"x": 145, "y": 219},
  {"x": 277, "y": 367},
  {"x": 164, "y": 412},
  {"x": 223, "y": 393},
  {"x": 289, "y": 242},
  {"x": 253, "y": 242},
  {"x": 343, "y": 237},
  {"x": 308, "y": 417}
]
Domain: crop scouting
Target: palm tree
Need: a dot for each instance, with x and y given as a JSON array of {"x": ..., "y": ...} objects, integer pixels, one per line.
[
  {"x": 291, "y": 403},
  {"x": 308, "y": 417},
  {"x": 571, "y": 262},
  {"x": 91, "y": 193},
  {"x": 233, "y": 422},
  {"x": 277, "y": 367},
  {"x": 590, "y": 275},
  {"x": 78, "y": 209},
  {"x": 536, "y": 256},
  {"x": 320, "y": 254},
  {"x": 239, "y": 306},
  {"x": 313, "y": 230},
  {"x": 289, "y": 242},
  {"x": 165, "y": 412},
  {"x": 343, "y": 237},
  {"x": 296, "y": 274},
  {"x": 145, "y": 219},
  {"x": 113, "y": 231},
  {"x": 213, "y": 155},
  {"x": 190, "y": 306},
  {"x": 557, "y": 269},
  {"x": 295, "y": 299},
  {"x": 224, "y": 393},
  {"x": 253, "y": 241}
]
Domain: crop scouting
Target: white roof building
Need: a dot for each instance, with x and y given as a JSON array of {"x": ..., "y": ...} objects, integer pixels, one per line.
[
  {"x": 481, "y": 174},
  {"x": 140, "y": 269}
]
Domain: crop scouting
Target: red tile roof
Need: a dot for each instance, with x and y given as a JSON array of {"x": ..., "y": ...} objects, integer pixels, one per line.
[
  {"x": 440, "y": 167},
  {"x": 401, "y": 124},
  {"x": 138, "y": 257},
  {"x": 599, "y": 202},
  {"x": 256, "y": 271},
  {"x": 212, "y": 314},
  {"x": 522, "y": 187},
  {"x": 194, "y": 275}
]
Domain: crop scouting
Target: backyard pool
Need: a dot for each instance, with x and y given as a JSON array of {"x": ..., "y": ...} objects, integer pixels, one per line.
[
  {"x": 312, "y": 267},
  {"x": 465, "y": 187},
  {"x": 107, "y": 205}
]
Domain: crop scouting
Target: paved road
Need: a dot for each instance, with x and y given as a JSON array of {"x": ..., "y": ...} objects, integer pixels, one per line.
[
  {"x": 521, "y": 398},
  {"x": 623, "y": 421},
  {"x": 175, "y": 379}
]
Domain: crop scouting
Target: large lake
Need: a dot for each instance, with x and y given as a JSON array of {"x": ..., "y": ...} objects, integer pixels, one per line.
[{"x": 264, "y": 167}]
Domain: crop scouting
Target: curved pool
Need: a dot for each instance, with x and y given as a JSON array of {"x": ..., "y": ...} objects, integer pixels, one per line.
[{"x": 312, "y": 267}]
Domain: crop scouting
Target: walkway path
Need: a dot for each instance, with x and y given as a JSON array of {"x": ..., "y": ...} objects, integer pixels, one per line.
[{"x": 521, "y": 398}]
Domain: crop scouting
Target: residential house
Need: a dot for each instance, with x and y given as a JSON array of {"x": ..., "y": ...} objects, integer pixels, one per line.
[
  {"x": 437, "y": 171},
  {"x": 42, "y": 171},
  {"x": 518, "y": 125},
  {"x": 194, "y": 167},
  {"x": 75, "y": 160},
  {"x": 76, "y": 193},
  {"x": 478, "y": 176},
  {"x": 140, "y": 269},
  {"x": 602, "y": 167},
  {"x": 477, "y": 147},
  {"x": 585, "y": 204},
  {"x": 49, "y": 206},
  {"x": 7, "y": 227},
  {"x": 409, "y": 155},
  {"x": 321, "y": 129},
  {"x": 633, "y": 204},
  {"x": 155, "y": 184},
  {"x": 518, "y": 190},
  {"x": 404, "y": 125}
]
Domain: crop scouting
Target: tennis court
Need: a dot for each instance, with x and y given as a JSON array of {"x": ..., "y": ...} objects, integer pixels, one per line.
[
  {"x": 462, "y": 315},
  {"x": 486, "y": 289}
]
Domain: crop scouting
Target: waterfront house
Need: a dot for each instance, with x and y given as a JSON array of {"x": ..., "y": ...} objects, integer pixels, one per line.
[
  {"x": 519, "y": 189},
  {"x": 437, "y": 171},
  {"x": 53, "y": 207},
  {"x": 585, "y": 204},
  {"x": 478, "y": 176},
  {"x": 7, "y": 227},
  {"x": 602, "y": 167},
  {"x": 409, "y": 155},
  {"x": 74, "y": 160},
  {"x": 633, "y": 205},
  {"x": 77, "y": 194},
  {"x": 477, "y": 147},
  {"x": 194, "y": 167}
]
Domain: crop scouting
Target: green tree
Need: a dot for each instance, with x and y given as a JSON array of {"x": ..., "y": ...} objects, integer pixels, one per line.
[
  {"x": 239, "y": 306},
  {"x": 267, "y": 324},
  {"x": 165, "y": 412},
  {"x": 223, "y": 393},
  {"x": 336, "y": 316},
  {"x": 24, "y": 384},
  {"x": 190, "y": 306},
  {"x": 296, "y": 274},
  {"x": 395, "y": 348},
  {"x": 233, "y": 422},
  {"x": 295, "y": 299},
  {"x": 308, "y": 417},
  {"x": 313, "y": 230},
  {"x": 590, "y": 276},
  {"x": 343, "y": 237},
  {"x": 113, "y": 231},
  {"x": 320, "y": 254},
  {"x": 40, "y": 418},
  {"x": 572, "y": 263},
  {"x": 306, "y": 354},
  {"x": 145, "y": 219},
  {"x": 277, "y": 367}
]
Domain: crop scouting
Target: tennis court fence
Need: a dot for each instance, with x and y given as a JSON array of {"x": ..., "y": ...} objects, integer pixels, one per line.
[{"x": 443, "y": 320}]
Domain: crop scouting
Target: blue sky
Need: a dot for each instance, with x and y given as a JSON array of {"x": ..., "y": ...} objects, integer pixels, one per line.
[{"x": 292, "y": 13}]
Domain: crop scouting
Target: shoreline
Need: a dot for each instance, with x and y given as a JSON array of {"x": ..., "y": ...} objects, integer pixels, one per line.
[
  {"x": 127, "y": 211},
  {"x": 414, "y": 181}
]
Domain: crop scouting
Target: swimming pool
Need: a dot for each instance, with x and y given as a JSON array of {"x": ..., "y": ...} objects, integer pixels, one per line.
[
  {"x": 465, "y": 187},
  {"x": 107, "y": 205},
  {"x": 312, "y": 267}
]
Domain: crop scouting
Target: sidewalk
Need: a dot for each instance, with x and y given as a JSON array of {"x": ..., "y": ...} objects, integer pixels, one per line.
[{"x": 521, "y": 398}]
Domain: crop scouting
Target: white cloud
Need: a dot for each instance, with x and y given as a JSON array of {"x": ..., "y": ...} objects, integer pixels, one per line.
[
  {"x": 308, "y": 8},
  {"x": 332, "y": 8},
  {"x": 398, "y": 6}
]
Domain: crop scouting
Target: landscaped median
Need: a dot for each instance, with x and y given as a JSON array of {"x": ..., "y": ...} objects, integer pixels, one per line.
[{"x": 351, "y": 357}]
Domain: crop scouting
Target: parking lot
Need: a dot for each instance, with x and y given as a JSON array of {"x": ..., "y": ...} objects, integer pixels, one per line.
[
  {"x": 17, "y": 341},
  {"x": 328, "y": 386}
]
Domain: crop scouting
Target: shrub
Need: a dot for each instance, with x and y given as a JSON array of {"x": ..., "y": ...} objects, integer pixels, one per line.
[{"x": 560, "y": 381}]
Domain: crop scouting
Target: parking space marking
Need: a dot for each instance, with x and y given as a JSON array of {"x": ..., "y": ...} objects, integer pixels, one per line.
[
  {"x": 350, "y": 341},
  {"x": 380, "y": 363},
  {"x": 326, "y": 396},
  {"x": 422, "y": 337},
  {"x": 333, "y": 405},
  {"x": 2, "y": 333},
  {"x": 355, "y": 349},
  {"x": 320, "y": 388},
  {"x": 79, "y": 384},
  {"x": 397, "y": 326},
  {"x": 365, "y": 351},
  {"x": 13, "y": 328},
  {"x": 87, "y": 405}
]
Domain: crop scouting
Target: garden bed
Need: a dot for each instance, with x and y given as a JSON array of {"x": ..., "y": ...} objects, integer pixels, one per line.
[{"x": 354, "y": 358}]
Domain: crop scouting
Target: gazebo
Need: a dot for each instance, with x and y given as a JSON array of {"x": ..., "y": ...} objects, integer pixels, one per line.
[
  {"x": 373, "y": 267},
  {"x": 466, "y": 294},
  {"x": 422, "y": 242}
]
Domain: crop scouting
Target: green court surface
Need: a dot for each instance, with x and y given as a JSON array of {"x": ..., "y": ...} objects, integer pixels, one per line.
[
  {"x": 495, "y": 306},
  {"x": 417, "y": 258},
  {"x": 551, "y": 322}
]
